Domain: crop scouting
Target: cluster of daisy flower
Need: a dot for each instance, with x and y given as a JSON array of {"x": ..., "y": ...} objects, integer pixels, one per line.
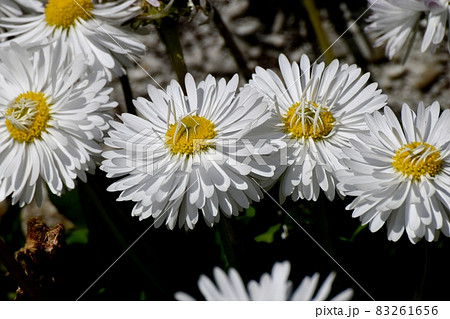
[
  {"x": 212, "y": 148},
  {"x": 394, "y": 23},
  {"x": 315, "y": 129}
]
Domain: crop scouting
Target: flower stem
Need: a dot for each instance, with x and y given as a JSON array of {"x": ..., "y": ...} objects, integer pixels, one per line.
[
  {"x": 14, "y": 268},
  {"x": 230, "y": 43},
  {"x": 127, "y": 93},
  {"x": 169, "y": 34},
  {"x": 337, "y": 17},
  {"x": 321, "y": 35},
  {"x": 226, "y": 241}
]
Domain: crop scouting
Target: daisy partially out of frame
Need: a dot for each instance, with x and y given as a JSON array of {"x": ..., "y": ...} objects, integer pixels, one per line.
[
  {"x": 87, "y": 29},
  {"x": 315, "y": 110},
  {"x": 182, "y": 157},
  {"x": 394, "y": 23},
  {"x": 400, "y": 175},
  {"x": 51, "y": 120},
  {"x": 274, "y": 286}
]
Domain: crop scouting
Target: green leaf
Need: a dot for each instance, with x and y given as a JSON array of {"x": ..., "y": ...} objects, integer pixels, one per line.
[
  {"x": 247, "y": 216},
  {"x": 355, "y": 233},
  {"x": 101, "y": 290},
  {"x": 222, "y": 254},
  {"x": 11, "y": 295},
  {"x": 78, "y": 236},
  {"x": 267, "y": 237}
]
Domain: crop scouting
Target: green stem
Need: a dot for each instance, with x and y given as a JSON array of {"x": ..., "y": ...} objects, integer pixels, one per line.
[
  {"x": 230, "y": 43},
  {"x": 321, "y": 35},
  {"x": 336, "y": 15},
  {"x": 127, "y": 93},
  {"x": 169, "y": 34},
  {"x": 227, "y": 240},
  {"x": 29, "y": 287}
]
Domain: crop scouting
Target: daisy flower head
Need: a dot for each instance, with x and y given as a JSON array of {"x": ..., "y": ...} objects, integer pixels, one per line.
[
  {"x": 51, "y": 120},
  {"x": 87, "y": 29},
  {"x": 394, "y": 23},
  {"x": 400, "y": 174},
  {"x": 271, "y": 287},
  {"x": 182, "y": 156},
  {"x": 315, "y": 109}
]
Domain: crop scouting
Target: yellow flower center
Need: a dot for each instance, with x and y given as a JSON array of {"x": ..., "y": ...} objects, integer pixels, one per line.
[
  {"x": 417, "y": 159},
  {"x": 27, "y": 116},
  {"x": 64, "y": 13},
  {"x": 191, "y": 134},
  {"x": 307, "y": 119}
]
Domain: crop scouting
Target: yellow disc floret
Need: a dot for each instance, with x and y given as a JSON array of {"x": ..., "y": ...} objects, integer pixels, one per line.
[
  {"x": 190, "y": 134},
  {"x": 417, "y": 159},
  {"x": 307, "y": 119},
  {"x": 27, "y": 116},
  {"x": 64, "y": 13}
]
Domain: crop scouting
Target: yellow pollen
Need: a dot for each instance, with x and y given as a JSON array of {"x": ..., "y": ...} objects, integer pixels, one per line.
[
  {"x": 27, "y": 116},
  {"x": 190, "y": 134},
  {"x": 64, "y": 13},
  {"x": 417, "y": 159},
  {"x": 307, "y": 119}
]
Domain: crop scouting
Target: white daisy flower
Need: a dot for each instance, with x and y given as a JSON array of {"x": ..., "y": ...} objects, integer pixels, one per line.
[
  {"x": 394, "y": 23},
  {"x": 436, "y": 23},
  {"x": 51, "y": 120},
  {"x": 183, "y": 154},
  {"x": 401, "y": 174},
  {"x": 316, "y": 109},
  {"x": 92, "y": 30},
  {"x": 14, "y": 8},
  {"x": 274, "y": 286}
]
